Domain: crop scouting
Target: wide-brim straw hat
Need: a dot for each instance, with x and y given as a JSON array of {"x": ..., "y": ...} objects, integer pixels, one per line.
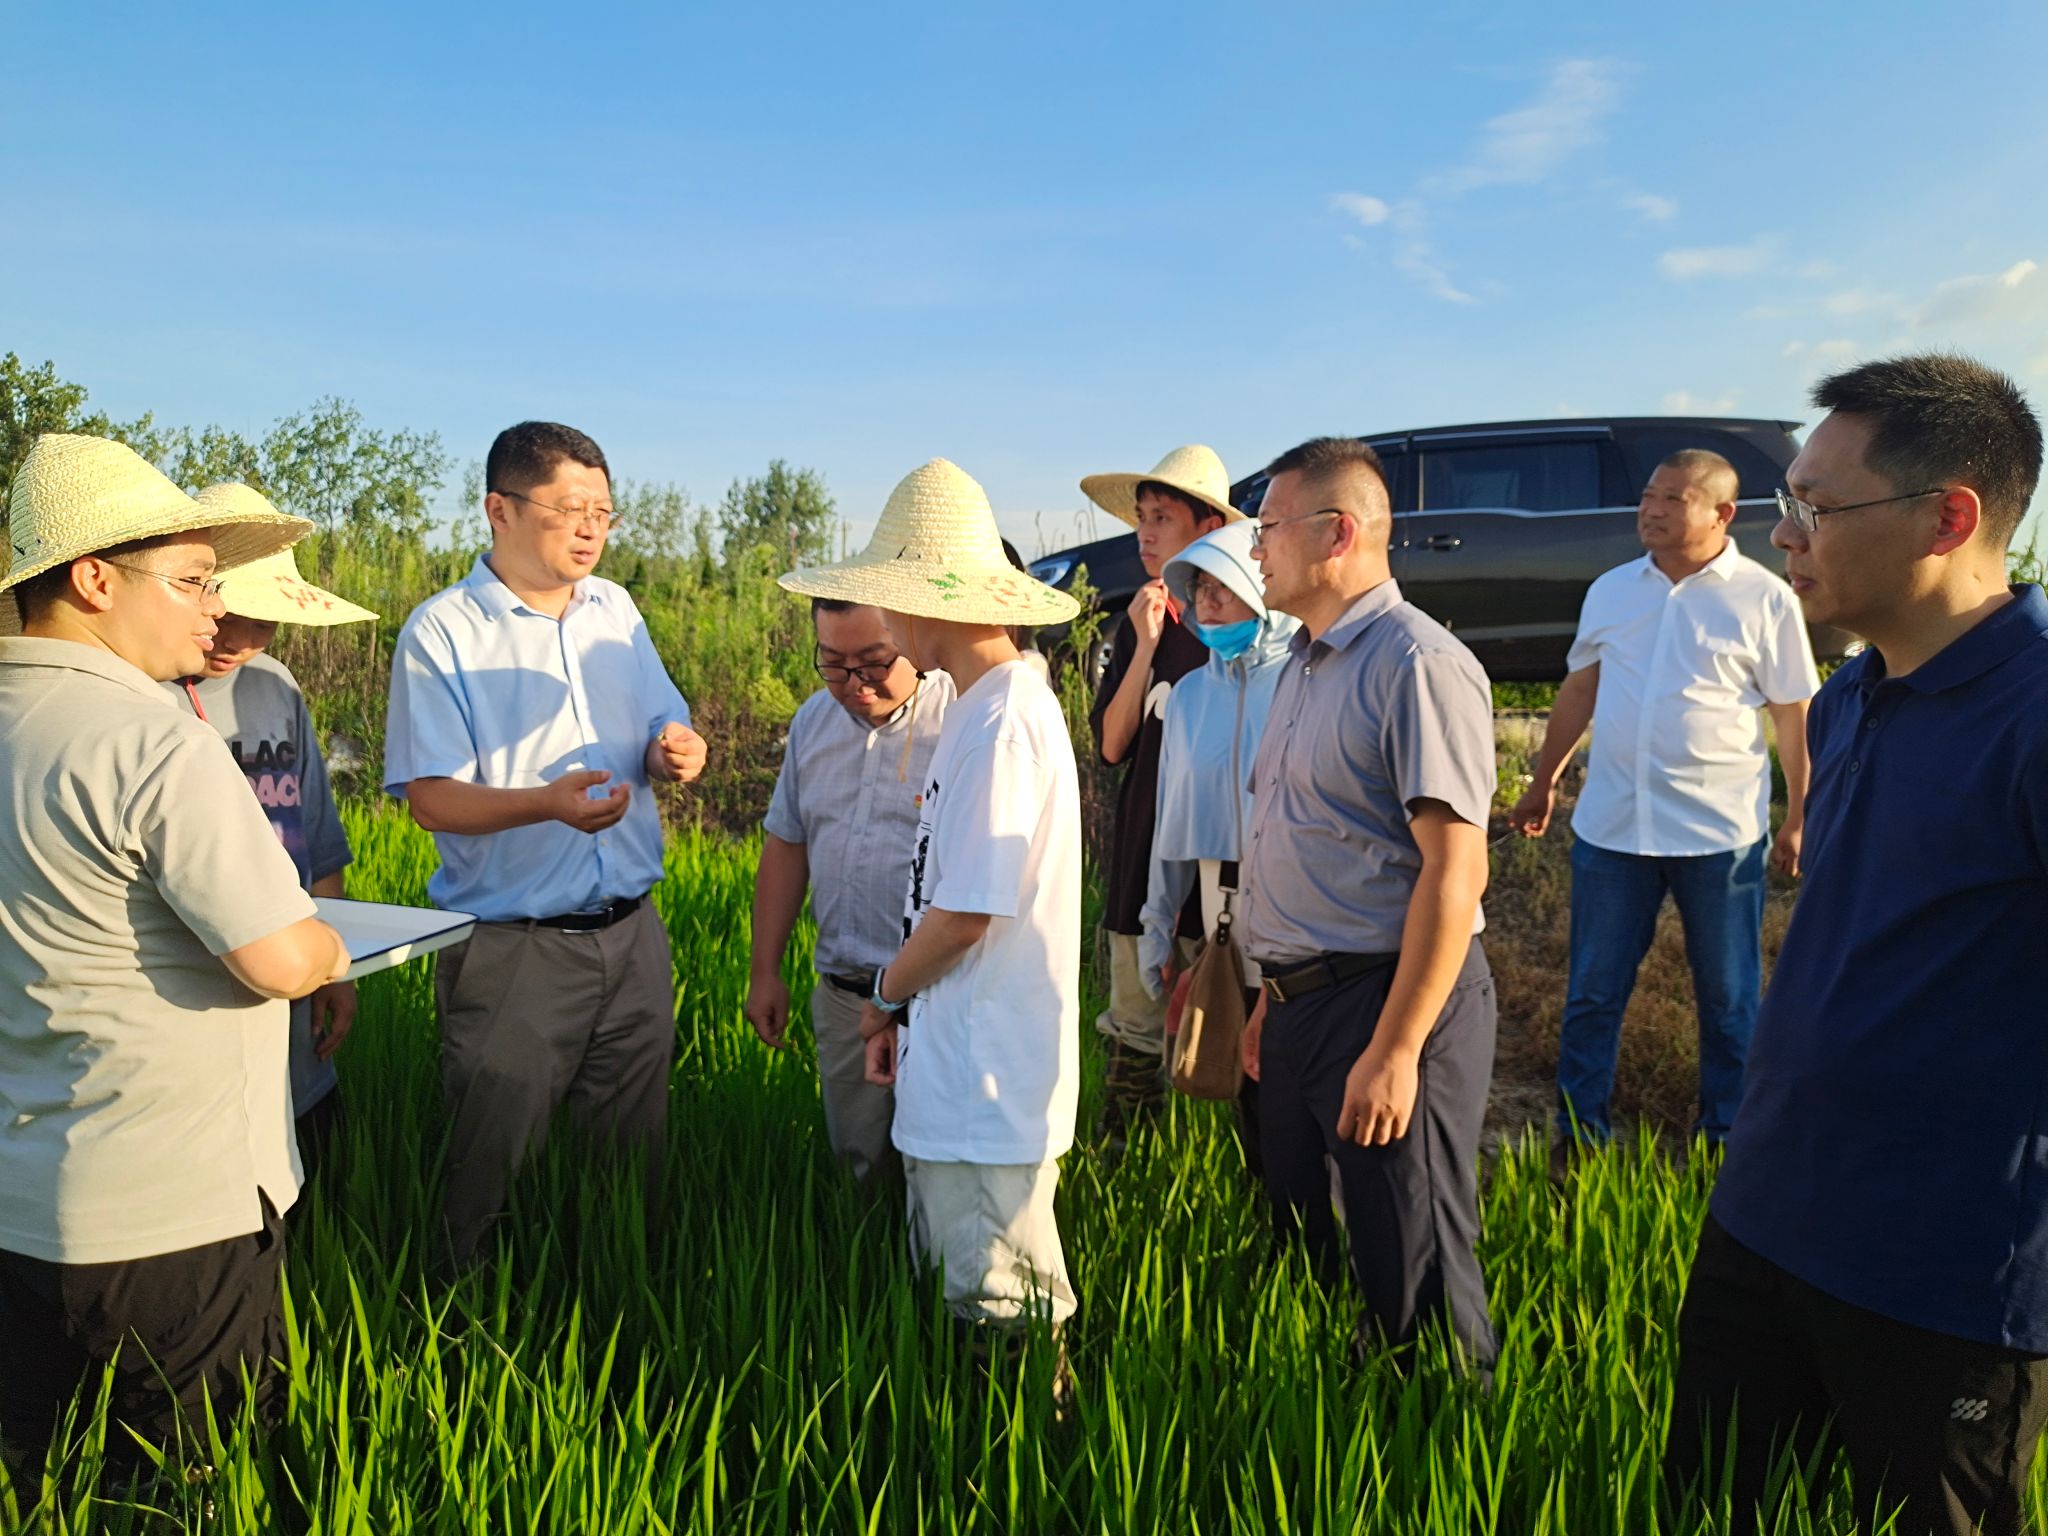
[
  {"x": 1194, "y": 470},
  {"x": 271, "y": 589},
  {"x": 936, "y": 554},
  {"x": 78, "y": 496}
]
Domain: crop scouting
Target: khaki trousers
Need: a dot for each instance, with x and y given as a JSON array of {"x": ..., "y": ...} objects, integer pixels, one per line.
[
  {"x": 535, "y": 1018},
  {"x": 990, "y": 1227},
  {"x": 858, "y": 1115},
  {"x": 1135, "y": 1018}
]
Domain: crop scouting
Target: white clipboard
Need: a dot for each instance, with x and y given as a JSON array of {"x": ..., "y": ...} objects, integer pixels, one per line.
[{"x": 379, "y": 935}]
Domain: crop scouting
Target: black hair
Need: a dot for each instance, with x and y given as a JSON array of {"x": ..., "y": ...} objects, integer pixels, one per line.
[
  {"x": 528, "y": 454},
  {"x": 1321, "y": 456},
  {"x": 1197, "y": 509},
  {"x": 44, "y": 590}
]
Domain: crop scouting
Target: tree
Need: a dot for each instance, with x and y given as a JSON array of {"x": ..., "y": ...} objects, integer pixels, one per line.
[
  {"x": 788, "y": 512},
  {"x": 34, "y": 401},
  {"x": 654, "y": 520},
  {"x": 326, "y": 465}
]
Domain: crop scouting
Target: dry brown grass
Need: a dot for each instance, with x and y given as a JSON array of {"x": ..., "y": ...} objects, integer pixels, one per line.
[{"x": 1528, "y": 931}]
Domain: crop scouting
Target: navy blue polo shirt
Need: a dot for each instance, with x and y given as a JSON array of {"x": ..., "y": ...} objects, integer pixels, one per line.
[{"x": 1891, "y": 1148}]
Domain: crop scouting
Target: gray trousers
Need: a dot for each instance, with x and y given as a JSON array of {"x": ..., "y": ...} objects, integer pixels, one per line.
[
  {"x": 534, "y": 1018},
  {"x": 858, "y": 1115},
  {"x": 1411, "y": 1208}
]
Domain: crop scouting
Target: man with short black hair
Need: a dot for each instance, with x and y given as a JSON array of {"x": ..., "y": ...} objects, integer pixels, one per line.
[
  {"x": 1678, "y": 657},
  {"x": 1373, "y": 1043},
  {"x": 529, "y": 718},
  {"x": 842, "y": 822},
  {"x": 1186, "y": 495},
  {"x": 1875, "y": 1259}
]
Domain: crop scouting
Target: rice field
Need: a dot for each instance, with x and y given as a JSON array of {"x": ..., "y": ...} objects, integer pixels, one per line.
[{"x": 763, "y": 1359}]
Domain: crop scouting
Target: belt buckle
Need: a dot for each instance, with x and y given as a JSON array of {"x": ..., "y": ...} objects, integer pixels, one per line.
[{"x": 1273, "y": 988}]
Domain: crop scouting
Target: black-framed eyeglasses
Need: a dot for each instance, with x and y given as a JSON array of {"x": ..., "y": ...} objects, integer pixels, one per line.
[
  {"x": 1804, "y": 514},
  {"x": 202, "y": 586},
  {"x": 873, "y": 673},
  {"x": 606, "y": 518},
  {"x": 1260, "y": 527}
]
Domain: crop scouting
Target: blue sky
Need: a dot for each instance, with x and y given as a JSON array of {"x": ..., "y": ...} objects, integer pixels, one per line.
[{"x": 1040, "y": 241}]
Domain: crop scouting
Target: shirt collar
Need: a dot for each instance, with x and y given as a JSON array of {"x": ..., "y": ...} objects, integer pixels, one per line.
[
  {"x": 1985, "y": 645},
  {"x": 496, "y": 599},
  {"x": 1722, "y": 565},
  {"x": 1357, "y": 619},
  {"x": 77, "y": 656}
]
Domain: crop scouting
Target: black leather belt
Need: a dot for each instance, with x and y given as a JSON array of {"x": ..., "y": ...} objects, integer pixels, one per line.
[
  {"x": 861, "y": 987},
  {"x": 1315, "y": 975},
  {"x": 590, "y": 922}
]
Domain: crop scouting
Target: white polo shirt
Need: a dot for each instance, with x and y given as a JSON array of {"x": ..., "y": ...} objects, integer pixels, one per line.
[
  {"x": 1678, "y": 765},
  {"x": 144, "y": 1094}
]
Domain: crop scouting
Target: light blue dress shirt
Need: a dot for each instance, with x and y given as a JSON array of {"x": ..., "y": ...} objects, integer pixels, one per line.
[{"x": 484, "y": 690}]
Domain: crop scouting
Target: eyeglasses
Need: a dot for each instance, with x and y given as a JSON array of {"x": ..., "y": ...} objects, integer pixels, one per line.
[
  {"x": 568, "y": 517},
  {"x": 874, "y": 673},
  {"x": 202, "y": 587},
  {"x": 1261, "y": 528},
  {"x": 1804, "y": 514}
]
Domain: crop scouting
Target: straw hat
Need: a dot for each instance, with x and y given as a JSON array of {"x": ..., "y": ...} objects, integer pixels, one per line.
[
  {"x": 936, "y": 554},
  {"x": 76, "y": 496},
  {"x": 271, "y": 589},
  {"x": 1194, "y": 471}
]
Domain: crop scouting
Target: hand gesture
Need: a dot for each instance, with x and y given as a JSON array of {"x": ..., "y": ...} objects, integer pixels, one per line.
[
  {"x": 1379, "y": 1099},
  {"x": 767, "y": 1008},
  {"x": 569, "y": 800},
  {"x": 676, "y": 755},
  {"x": 1785, "y": 849},
  {"x": 1254, "y": 1032},
  {"x": 1531, "y": 813},
  {"x": 881, "y": 1057},
  {"x": 1148, "y": 614},
  {"x": 334, "y": 1013}
]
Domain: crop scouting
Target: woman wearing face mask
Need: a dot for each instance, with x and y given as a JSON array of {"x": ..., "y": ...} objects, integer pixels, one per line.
[{"x": 1214, "y": 718}]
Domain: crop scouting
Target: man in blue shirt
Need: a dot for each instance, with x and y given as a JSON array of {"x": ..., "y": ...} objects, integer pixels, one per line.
[
  {"x": 528, "y": 715},
  {"x": 1875, "y": 1263}
]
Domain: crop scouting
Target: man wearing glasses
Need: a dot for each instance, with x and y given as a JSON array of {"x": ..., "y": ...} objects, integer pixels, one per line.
[
  {"x": 1874, "y": 1265},
  {"x": 1373, "y": 1043},
  {"x": 529, "y": 717},
  {"x": 842, "y": 822},
  {"x": 1678, "y": 657}
]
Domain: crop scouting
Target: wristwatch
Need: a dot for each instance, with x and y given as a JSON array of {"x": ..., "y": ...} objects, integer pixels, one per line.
[{"x": 880, "y": 1001}]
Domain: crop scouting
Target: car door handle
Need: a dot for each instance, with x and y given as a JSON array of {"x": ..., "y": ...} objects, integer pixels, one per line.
[{"x": 1442, "y": 541}]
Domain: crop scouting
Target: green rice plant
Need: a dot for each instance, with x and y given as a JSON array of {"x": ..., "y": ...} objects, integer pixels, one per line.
[{"x": 760, "y": 1356}]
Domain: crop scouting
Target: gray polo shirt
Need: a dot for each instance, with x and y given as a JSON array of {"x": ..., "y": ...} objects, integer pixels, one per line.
[
  {"x": 846, "y": 794},
  {"x": 1387, "y": 708},
  {"x": 144, "y": 1100}
]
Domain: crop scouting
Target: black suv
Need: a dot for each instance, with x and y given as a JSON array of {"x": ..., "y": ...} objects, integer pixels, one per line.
[{"x": 1499, "y": 528}]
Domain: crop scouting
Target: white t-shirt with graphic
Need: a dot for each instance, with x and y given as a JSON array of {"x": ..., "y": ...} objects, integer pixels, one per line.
[{"x": 988, "y": 1070}]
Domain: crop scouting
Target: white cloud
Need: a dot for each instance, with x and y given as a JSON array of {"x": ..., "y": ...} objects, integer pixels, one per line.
[
  {"x": 2016, "y": 296},
  {"x": 1524, "y": 146},
  {"x": 1418, "y": 259},
  {"x": 1851, "y": 302},
  {"x": 1366, "y": 210},
  {"x": 1653, "y": 208},
  {"x": 1687, "y": 263},
  {"x": 1683, "y": 402},
  {"x": 1823, "y": 354}
]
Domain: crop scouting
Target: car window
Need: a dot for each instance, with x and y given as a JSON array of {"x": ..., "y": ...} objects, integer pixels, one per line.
[
  {"x": 1647, "y": 447},
  {"x": 1532, "y": 476}
]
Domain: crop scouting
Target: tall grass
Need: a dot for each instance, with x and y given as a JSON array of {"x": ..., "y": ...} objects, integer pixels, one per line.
[{"x": 762, "y": 1359}]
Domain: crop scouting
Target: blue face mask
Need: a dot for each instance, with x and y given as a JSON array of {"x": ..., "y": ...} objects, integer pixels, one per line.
[{"x": 1229, "y": 641}]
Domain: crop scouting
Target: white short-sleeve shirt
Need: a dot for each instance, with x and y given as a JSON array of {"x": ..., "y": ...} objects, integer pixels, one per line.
[
  {"x": 144, "y": 1094},
  {"x": 988, "y": 1070},
  {"x": 1678, "y": 764}
]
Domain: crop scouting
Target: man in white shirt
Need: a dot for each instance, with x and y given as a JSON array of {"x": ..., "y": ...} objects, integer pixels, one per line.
[
  {"x": 1677, "y": 657},
  {"x": 841, "y": 822},
  {"x": 986, "y": 986}
]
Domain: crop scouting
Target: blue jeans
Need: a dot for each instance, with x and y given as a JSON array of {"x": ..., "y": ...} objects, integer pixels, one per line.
[{"x": 1615, "y": 897}]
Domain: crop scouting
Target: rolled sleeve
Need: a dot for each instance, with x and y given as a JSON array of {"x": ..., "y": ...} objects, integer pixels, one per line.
[
  {"x": 210, "y": 851},
  {"x": 427, "y": 729},
  {"x": 1438, "y": 735}
]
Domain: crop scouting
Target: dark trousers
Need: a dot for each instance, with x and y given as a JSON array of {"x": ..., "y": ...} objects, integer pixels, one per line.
[
  {"x": 1938, "y": 1428},
  {"x": 317, "y": 1130},
  {"x": 185, "y": 1326},
  {"x": 1615, "y": 897},
  {"x": 533, "y": 1019},
  {"x": 1411, "y": 1208}
]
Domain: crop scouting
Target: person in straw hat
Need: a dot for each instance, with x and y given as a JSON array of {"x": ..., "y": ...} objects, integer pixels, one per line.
[
  {"x": 256, "y": 705},
  {"x": 1186, "y": 495},
  {"x": 529, "y": 719},
  {"x": 975, "y": 1021},
  {"x": 152, "y": 933}
]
